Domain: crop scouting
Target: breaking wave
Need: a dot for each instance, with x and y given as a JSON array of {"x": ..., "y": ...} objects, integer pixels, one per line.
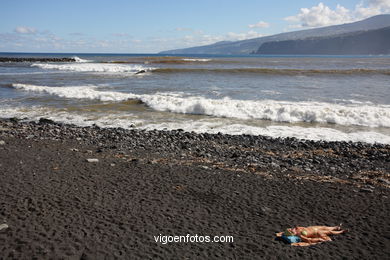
[
  {"x": 82, "y": 65},
  {"x": 199, "y": 126},
  {"x": 200, "y": 60},
  {"x": 93, "y": 67},
  {"x": 273, "y": 71},
  {"x": 175, "y": 60},
  {"x": 280, "y": 111},
  {"x": 77, "y": 92},
  {"x": 77, "y": 59},
  {"x": 308, "y": 133}
]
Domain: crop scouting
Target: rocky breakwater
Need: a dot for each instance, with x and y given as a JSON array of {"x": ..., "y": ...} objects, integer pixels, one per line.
[{"x": 12, "y": 59}]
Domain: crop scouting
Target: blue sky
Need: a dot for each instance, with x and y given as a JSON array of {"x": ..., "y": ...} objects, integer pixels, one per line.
[{"x": 148, "y": 26}]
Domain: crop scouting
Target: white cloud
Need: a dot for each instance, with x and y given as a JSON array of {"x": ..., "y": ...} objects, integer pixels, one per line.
[
  {"x": 184, "y": 29},
  {"x": 260, "y": 24},
  {"x": 77, "y": 34},
  {"x": 25, "y": 30},
  {"x": 373, "y": 7},
  {"x": 121, "y": 35},
  {"x": 205, "y": 39},
  {"x": 31, "y": 39},
  {"x": 322, "y": 15}
]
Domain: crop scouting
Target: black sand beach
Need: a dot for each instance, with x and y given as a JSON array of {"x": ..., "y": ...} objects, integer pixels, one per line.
[{"x": 57, "y": 205}]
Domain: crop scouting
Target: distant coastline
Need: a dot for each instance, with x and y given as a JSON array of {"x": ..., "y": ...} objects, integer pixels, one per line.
[
  {"x": 373, "y": 42},
  {"x": 252, "y": 45},
  {"x": 70, "y": 55}
]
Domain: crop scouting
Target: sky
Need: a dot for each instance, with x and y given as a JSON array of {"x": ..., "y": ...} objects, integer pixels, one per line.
[{"x": 150, "y": 26}]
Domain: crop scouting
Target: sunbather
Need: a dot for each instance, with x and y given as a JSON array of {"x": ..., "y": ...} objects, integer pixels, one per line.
[{"x": 310, "y": 235}]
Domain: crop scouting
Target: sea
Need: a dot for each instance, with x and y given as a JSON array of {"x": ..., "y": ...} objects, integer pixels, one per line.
[{"x": 330, "y": 98}]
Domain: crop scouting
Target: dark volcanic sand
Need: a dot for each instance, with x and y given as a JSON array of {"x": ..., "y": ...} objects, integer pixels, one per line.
[{"x": 59, "y": 206}]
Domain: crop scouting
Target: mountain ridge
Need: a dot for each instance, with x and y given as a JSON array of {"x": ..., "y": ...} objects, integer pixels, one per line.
[
  {"x": 252, "y": 45},
  {"x": 371, "y": 42}
]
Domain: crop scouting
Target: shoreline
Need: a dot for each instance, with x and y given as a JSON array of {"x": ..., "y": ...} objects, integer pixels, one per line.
[{"x": 147, "y": 183}]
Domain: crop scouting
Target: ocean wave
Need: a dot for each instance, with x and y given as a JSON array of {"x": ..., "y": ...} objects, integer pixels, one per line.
[
  {"x": 174, "y": 60},
  {"x": 353, "y": 101},
  {"x": 160, "y": 60},
  {"x": 270, "y": 92},
  {"x": 23, "y": 73},
  {"x": 279, "y": 111},
  {"x": 59, "y": 115},
  {"x": 306, "y": 133},
  {"x": 198, "y": 126},
  {"x": 193, "y": 59},
  {"x": 77, "y": 59},
  {"x": 93, "y": 67},
  {"x": 273, "y": 71},
  {"x": 82, "y": 65},
  {"x": 77, "y": 92}
]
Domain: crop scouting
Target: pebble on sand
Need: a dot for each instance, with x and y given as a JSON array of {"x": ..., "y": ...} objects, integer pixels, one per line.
[
  {"x": 3, "y": 226},
  {"x": 92, "y": 160},
  {"x": 2, "y": 142}
]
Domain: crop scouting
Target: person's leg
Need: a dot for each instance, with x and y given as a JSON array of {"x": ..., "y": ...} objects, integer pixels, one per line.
[
  {"x": 327, "y": 229},
  {"x": 313, "y": 240},
  {"x": 324, "y": 235},
  {"x": 336, "y": 232}
]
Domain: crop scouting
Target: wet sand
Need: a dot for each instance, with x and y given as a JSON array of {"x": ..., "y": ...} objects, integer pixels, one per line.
[{"x": 57, "y": 205}]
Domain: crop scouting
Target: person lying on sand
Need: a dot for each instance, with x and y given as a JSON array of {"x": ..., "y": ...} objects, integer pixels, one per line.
[{"x": 306, "y": 236}]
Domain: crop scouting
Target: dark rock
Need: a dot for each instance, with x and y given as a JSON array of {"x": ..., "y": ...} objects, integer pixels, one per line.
[
  {"x": 46, "y": 121},
  {"x": 92, "y": 160},
  {"x": 14, "y": 119},
  {"x": 3, "y": 226},
  {"x": 384, "y": 181},
  {"x": 367, "y": 188}
]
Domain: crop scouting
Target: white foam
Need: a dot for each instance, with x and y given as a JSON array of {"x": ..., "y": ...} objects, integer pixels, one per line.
[
  {"x": 93, "y": 67},
  {"x": 270, "y": 92},
  {"x": 77, "y": 59},
  {"x": 77, "y": 92},
  {"x": 317, "y": 134},
  {"x": 199, "y": 126},
  {"x": 24, "y": 73},
  {"x": 353, "y": 101},
  {"x": 279, "y": 111},
  {"x": 201, "y": 60},
  {"x": 57, "y": 115}
]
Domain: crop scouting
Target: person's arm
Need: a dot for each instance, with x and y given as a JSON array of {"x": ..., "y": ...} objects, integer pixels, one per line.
[{"x": 301, "y": 244}]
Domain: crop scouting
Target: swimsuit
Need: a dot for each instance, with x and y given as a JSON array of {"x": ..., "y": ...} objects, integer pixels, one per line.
[
  {"x": 291, "y": 239},
  {"x": 305, "y": 233}
]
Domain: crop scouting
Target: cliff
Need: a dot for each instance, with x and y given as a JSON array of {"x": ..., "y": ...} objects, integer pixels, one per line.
[
  {"x": 252, "y": 45},
  {"x": 363, "y": 42}
]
